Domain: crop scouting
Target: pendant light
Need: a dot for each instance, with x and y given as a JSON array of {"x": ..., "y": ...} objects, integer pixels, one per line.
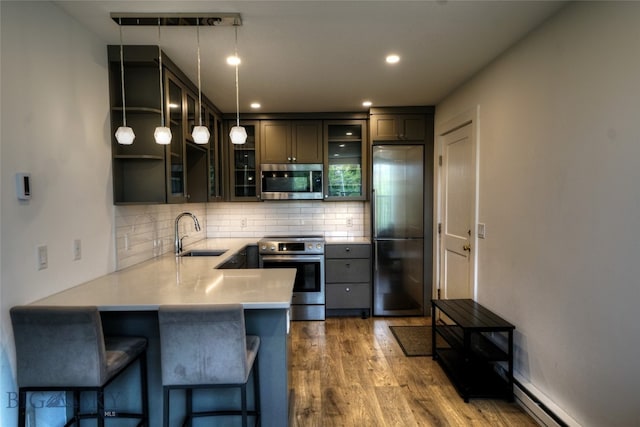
[
  {"x": 238, "y": 134},
  {"x": 124, "y": 134},
  {"x": 200, "y": 133},
  {"x": 162, "y": 134}
]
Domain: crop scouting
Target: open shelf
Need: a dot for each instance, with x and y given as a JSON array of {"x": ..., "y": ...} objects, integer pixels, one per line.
[{"x": 476, "y": 365}]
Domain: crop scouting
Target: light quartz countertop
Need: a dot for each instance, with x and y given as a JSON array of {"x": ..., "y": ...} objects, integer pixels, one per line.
[{"x": 184, "y": 280}]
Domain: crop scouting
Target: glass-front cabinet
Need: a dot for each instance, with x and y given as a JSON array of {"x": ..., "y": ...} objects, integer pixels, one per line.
[
  {"x": 174, "y": 110},
  {"x": 345, "y": 160},
  {"x": 215, "y": 174},
  {"x": 244, "y": 163}
]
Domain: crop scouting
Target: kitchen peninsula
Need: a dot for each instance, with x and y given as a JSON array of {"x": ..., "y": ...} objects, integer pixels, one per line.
[{"x": 129, "y": 299}]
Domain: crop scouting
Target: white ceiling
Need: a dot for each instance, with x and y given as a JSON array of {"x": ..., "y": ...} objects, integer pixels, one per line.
[{"x": 318, "y": 56}]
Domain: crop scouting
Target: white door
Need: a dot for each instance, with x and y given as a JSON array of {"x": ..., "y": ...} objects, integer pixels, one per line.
[{"x": 458, "y": 217}]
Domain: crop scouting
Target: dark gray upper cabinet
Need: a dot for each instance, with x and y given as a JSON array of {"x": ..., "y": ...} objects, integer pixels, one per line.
[
  {"x": 345, "y": 154},
  {"x": 244, "y": 162},
  {"x": 291, "y": 141},
  {"x": 400, "y": 124}
]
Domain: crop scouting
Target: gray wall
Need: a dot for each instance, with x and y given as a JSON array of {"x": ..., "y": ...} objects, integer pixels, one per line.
[
  {"x": 55, "y": 125},
  {"x": 559, "y": 191}
]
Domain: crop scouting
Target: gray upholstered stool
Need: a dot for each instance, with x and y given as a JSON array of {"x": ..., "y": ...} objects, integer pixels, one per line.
[
  {"x": 206, "y": 346},
  {"x": 64, "y": 349}
]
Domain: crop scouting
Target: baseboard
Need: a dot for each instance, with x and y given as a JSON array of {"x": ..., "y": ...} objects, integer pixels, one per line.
[{"x": 543, "y": 411}]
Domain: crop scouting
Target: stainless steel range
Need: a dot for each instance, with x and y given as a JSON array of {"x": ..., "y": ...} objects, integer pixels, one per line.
[{"x": 306, "y": 255}]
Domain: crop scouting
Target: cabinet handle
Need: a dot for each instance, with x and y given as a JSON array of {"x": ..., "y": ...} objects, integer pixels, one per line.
[
  {"x": 347, "y": 249},
  {"x": 347, "y": 289},
  {"x": 289, "y": 158},
  {"x": 348, "y": 265},
  {"x": 294, "y": 159}
]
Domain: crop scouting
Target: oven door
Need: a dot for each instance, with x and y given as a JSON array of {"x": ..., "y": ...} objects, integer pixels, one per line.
[{"x": 308, "y": 287}]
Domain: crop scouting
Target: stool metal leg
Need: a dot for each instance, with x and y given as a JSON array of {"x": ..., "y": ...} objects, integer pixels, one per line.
[
  {"x": 143, "y": 390},
  {"x": 189, "y": 401},
  {"x": 256, "y": 391},
  {"x": 165, "y": 406},
  {"x": 243, "y": 392},
  {"x": 22, "y": 408},
  {"x": 100, "y": 403}
]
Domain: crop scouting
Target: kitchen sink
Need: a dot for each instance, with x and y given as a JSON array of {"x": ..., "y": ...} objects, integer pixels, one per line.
[{"x": 204, "y": 252}]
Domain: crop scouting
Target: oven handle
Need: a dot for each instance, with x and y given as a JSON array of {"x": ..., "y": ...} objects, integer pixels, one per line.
[{"x": 284, "y": 258}]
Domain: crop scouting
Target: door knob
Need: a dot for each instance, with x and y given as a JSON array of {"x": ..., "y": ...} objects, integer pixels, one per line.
[{"x": 467, "y": 247}]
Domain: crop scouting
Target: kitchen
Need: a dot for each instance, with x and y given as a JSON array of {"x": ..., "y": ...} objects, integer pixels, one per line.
[{"x": 50, "y": 131}]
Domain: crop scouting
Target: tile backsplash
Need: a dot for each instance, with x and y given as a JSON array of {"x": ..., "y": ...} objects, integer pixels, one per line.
[
  {"x": 147, "y": 231},
  {"x": 332, "y": 219}
]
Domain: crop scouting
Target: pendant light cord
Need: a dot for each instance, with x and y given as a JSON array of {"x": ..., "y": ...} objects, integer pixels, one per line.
[
  {"x": 199, "y": 81},
  {"x": 124, "y": 111},
  {"x": 237, "y": 88},
  {"x": 160, "y": 73}
]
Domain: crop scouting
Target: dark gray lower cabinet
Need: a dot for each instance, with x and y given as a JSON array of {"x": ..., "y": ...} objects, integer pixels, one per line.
[
  {"x": 245, "y": 258},
  {"x": 348, "y": 279}
]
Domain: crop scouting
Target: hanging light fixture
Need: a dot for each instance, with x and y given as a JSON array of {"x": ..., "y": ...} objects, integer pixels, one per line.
[
  {"x": 124, "y": 134},
  {"x": 162, "y": 134},
  {"x": 238, "y": 134},
  {"x": 200, "y": 133}
]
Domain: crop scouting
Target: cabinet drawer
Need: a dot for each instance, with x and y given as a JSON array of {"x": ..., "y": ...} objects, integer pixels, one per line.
[
  {"x": 347, "y": 251},
  {"x": 352, "y": 295},
  {"x": 347, "y": 270}
]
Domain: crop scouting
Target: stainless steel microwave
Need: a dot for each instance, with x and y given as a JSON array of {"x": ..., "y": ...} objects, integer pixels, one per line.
[{"x": 291, "y": 181}]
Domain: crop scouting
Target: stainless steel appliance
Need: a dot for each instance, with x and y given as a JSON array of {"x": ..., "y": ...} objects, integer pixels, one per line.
[
  {"x": 398, "y": 229},
  {"x": 306, "y": 255},
  {"x": 290, "y": 181}
]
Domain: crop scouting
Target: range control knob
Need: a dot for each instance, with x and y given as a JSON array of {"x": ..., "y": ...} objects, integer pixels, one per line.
[{"x": 273, "y": 248}]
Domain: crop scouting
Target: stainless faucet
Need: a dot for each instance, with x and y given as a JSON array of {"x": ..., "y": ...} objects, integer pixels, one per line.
[{"x": 178, "y": 242}]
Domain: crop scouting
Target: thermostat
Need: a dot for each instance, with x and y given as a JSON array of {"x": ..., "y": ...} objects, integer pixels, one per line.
[{"x": 23, "y": 186}]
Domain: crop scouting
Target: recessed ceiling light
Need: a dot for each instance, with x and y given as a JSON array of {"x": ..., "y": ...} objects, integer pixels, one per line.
[
  {"x": 233, "y": 60},
  {"x": 366, "y": 104},
  {"x": 392, "y": 59},
  {"x": 255, "y": 105}
]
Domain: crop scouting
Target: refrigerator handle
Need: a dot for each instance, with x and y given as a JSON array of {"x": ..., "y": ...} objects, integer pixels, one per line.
[
  {"x": 373, "y": 213},
  {"x": 375, "y": 256}
]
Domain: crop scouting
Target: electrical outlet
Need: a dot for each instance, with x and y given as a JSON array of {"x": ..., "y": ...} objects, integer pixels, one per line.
[
  {"x": 43, "y": 258},
  {"x": 243, "y": 222},
  {"x": 349, "y": 222},
  {"x": 77, "y": 250}
]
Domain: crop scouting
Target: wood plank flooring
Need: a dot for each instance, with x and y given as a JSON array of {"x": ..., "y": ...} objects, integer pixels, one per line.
[{"x": 351, "y": 372}]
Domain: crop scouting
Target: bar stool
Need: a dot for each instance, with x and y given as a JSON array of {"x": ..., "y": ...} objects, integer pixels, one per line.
[
  {"x": 206, "y": 347},
  {"x": 64, "y": 349}
]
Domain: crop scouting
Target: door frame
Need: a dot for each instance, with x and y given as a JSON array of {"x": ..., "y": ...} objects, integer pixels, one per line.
[{"x": 471, "y": 117}]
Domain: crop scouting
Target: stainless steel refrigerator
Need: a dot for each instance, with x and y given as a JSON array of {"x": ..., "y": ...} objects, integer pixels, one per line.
[{"x": 397, "y": 203}]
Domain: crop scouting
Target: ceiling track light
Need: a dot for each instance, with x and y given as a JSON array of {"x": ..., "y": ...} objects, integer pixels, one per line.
[
  {"x": 124, "y": 134},
  {"x": 238, "y": 134},
  {"x": 162, "y": 134},
  {"x": 200, "y": 133},
  {"x": 178, "y": 19}
]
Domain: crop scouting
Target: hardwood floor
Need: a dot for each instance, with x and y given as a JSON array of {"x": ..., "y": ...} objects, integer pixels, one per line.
[{"x": 351, "y": 372}]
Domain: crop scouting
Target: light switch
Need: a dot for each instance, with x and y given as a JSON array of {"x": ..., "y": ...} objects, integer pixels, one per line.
[
  {"x": 77, "y": 249},
  {"x": 481, "y": 230},
  {"x": 43, "y": 259}
]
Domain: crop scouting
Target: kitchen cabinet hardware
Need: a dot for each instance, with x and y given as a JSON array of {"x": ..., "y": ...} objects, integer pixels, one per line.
[{"x": 348, "y": 278}]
